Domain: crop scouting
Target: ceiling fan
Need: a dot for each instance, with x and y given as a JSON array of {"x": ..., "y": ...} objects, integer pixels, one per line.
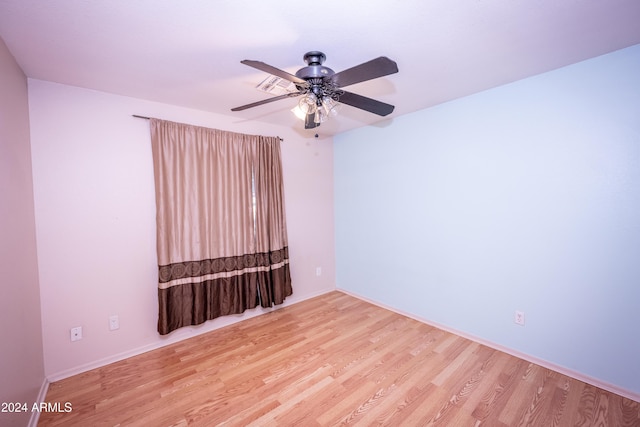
[{"x": 321, "y": 87}]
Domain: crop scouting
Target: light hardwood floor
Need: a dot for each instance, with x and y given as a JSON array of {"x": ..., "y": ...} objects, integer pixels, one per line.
[{"x": 332, "y": 360}]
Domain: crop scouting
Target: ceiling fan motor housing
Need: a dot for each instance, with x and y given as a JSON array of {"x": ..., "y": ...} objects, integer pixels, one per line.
[{"x": 314, "y": 68}]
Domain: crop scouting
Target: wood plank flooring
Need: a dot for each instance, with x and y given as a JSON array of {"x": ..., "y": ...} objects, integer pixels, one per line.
[{"x": 328, "y": 361}]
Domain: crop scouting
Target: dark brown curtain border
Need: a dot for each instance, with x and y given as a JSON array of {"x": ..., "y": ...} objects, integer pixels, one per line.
[{"x": 192, "y": 269}]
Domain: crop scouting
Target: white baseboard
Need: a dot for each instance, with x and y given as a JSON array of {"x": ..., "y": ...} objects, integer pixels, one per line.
[
  {"x": 180, "y": 335},
  {"x": 544, "y": 363},
  {"x": 42, "y": 395}
]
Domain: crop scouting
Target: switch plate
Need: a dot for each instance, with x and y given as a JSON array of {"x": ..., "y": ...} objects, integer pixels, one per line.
[
  {"x": 76, "y": 333},
  {"x": 318, "y": 271},
  {"x": 519, "y": 318},
  {"x": 114, "y": 322}
]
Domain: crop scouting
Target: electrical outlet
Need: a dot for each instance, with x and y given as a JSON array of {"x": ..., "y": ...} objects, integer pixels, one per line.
[
  {"x": 114, "y": 322},
  {"x": 76, "y": 333},
  {"x": 519, "y": 318}
]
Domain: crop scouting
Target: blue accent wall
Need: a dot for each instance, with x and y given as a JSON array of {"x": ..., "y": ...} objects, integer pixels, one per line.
[{"x": 523, "y": 197}]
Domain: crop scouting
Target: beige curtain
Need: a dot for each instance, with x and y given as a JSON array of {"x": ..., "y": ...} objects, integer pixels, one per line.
[
  {"x": 221, "y": 229},
  {"x": 271, "y": 230}
]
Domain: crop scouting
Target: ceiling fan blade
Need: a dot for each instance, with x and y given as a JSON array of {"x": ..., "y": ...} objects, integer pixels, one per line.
[
  {"x": 272, "y": 70},
  {"x": 367, "y": 104},
  {"x": 309, "y": 122},
  {"x": 265, "y": 101},
  {"x": 373, "y": 69}
]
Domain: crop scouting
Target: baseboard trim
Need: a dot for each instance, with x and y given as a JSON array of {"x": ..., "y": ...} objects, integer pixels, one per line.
[
  {"x": 42, "y": 395},
  {"x": 186, "y": 333},
  {"x": 532, "y": 359}
]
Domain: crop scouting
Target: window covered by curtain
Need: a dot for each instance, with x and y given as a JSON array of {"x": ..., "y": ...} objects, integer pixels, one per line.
[{"x": 221, "y": 228}]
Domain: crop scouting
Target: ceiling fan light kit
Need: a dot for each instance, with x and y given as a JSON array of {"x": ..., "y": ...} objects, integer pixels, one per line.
[
  {"x": 320, "y": 108},
  {"x": 321, "y": 87}
]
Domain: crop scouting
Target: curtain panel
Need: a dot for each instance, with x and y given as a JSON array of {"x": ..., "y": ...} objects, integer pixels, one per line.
[{"x": 221, "y": 228}]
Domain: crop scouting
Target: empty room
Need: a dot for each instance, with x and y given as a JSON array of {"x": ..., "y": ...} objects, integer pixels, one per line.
[{"x": 341, "y": 213}]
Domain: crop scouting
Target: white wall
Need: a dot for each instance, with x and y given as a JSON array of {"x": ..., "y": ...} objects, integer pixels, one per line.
[
  {"x": 21, "y": 356},
  {"x": 95, "y": 218},
  {"x": 524, "y": 197}
]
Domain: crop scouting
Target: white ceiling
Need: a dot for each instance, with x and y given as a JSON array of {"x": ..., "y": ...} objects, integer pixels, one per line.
[{"x": 188, "y": 52}]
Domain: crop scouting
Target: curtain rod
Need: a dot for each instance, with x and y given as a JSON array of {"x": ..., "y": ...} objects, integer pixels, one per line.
[{"x": 149, "y": 118}]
